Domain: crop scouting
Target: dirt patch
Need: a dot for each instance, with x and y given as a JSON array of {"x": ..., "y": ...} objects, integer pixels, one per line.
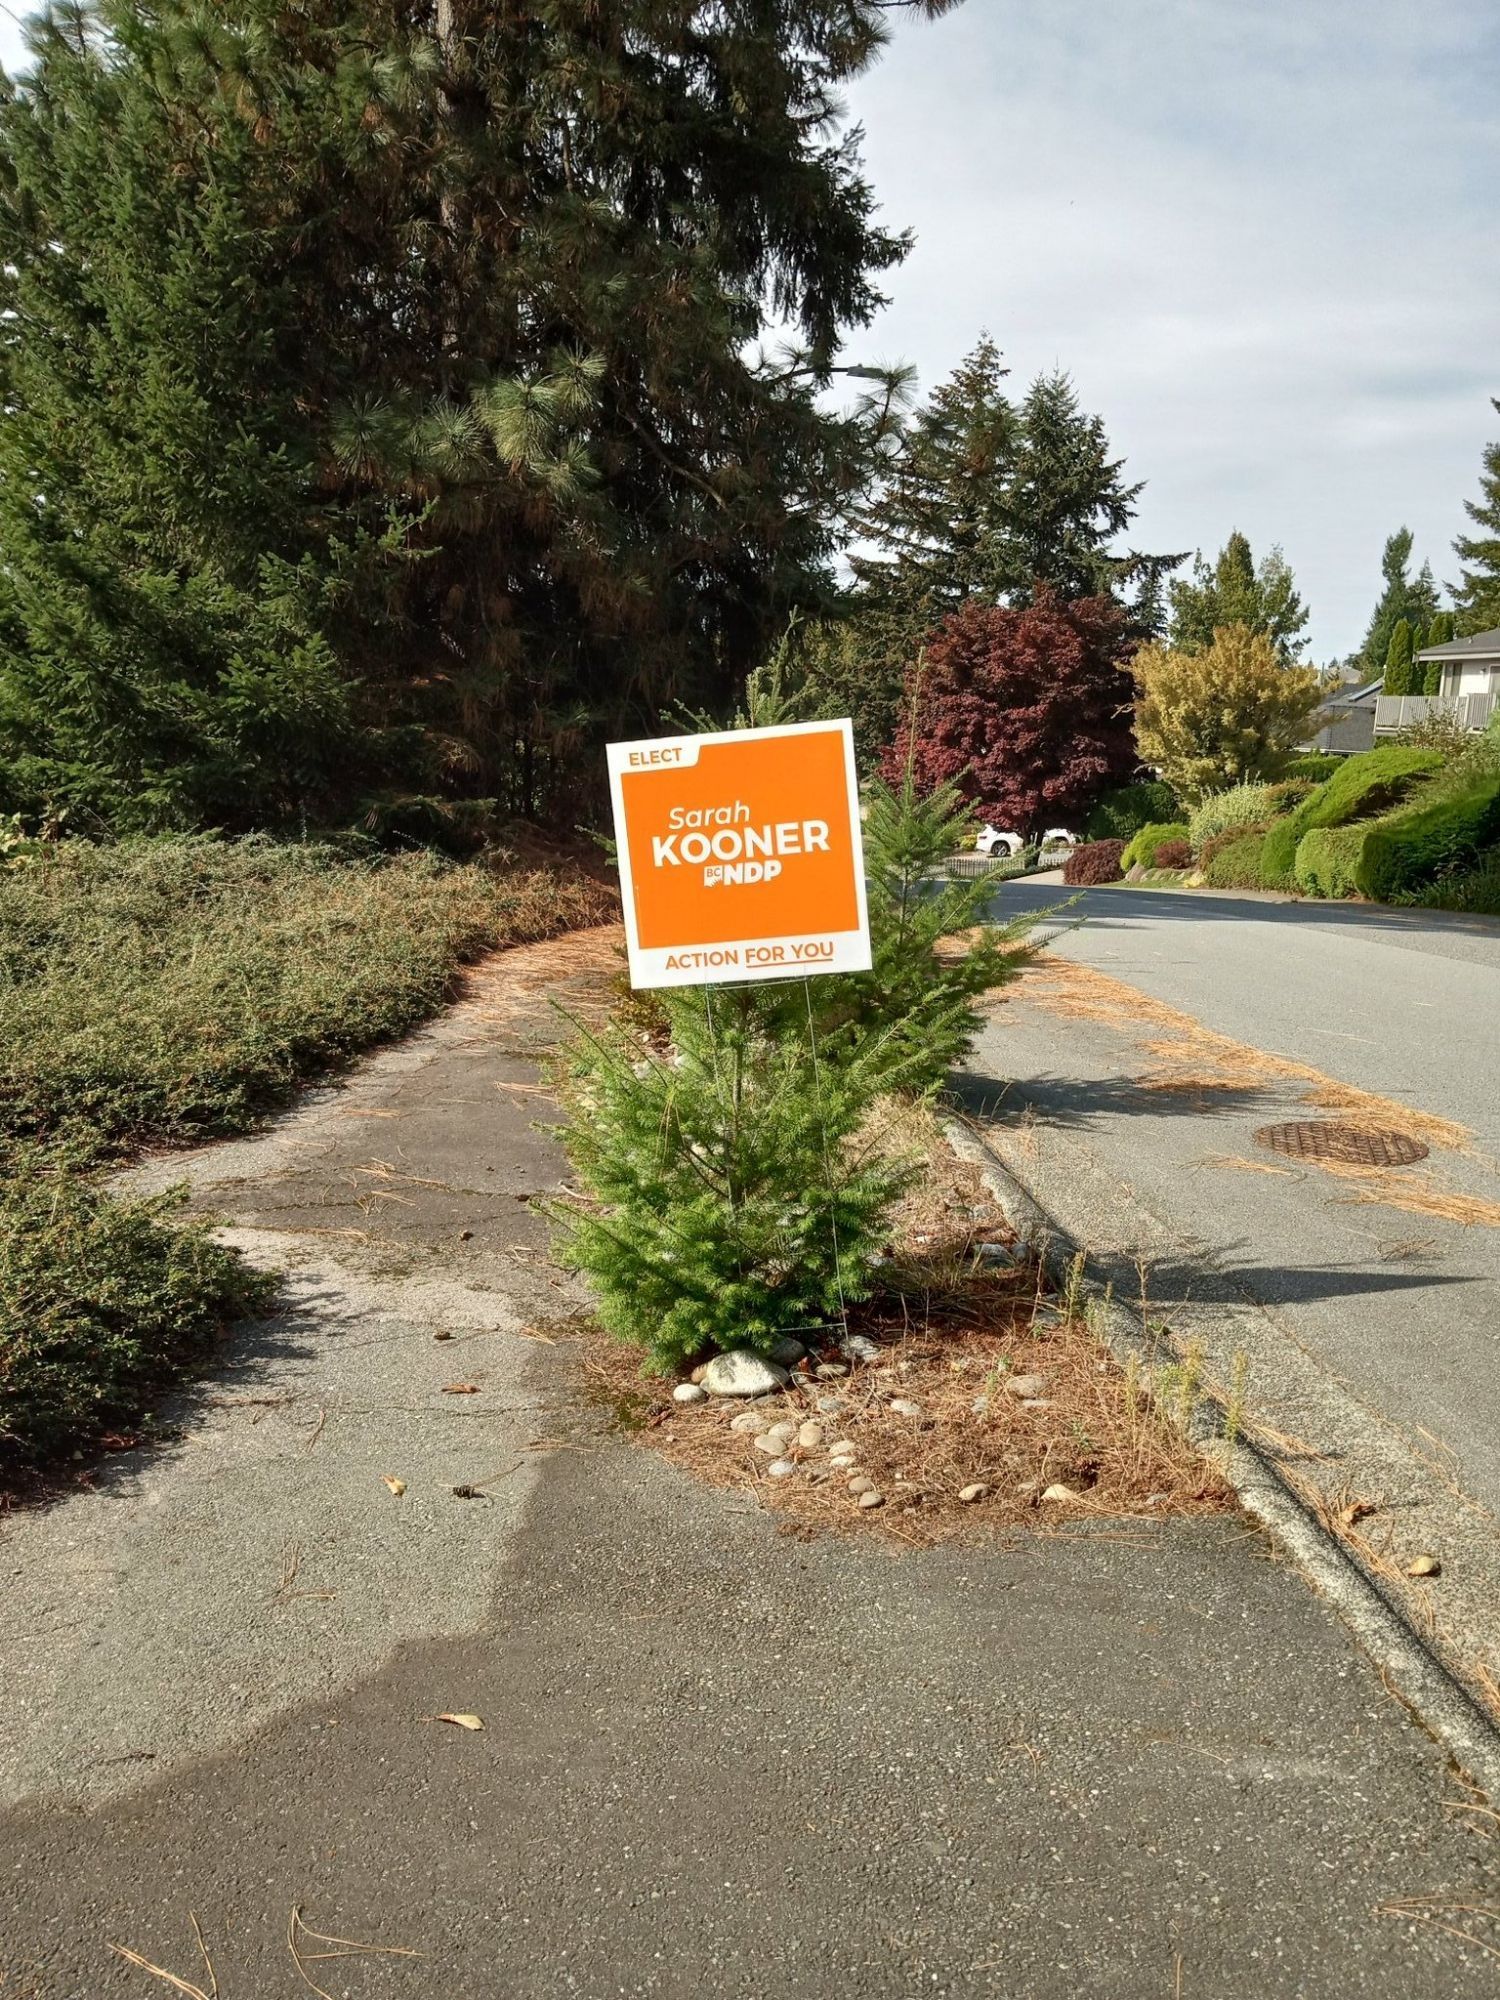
[{"x": 1007, "y": 1388}]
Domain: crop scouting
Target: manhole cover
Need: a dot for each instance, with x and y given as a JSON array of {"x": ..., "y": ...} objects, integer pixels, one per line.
[{"x": 1351, "y": 1145}]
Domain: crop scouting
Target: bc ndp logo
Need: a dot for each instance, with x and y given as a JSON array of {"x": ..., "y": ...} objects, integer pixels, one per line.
[{"x": 734, "y": 851}]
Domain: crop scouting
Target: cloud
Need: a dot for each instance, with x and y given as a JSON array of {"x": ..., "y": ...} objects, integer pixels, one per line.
[{"x": 1259, "y": 240}]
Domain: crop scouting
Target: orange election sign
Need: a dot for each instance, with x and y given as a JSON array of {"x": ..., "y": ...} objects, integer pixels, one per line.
[{"x": 740, "y": 855}]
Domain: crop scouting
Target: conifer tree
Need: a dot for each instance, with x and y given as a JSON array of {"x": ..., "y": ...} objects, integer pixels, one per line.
[
  {"x": 1440, "y": 633},
  {"x": 1236, "y": 590},
  {"x": 1399, "y": 664},
  {"x": 1413, "y": 598},
  {"x": 1477, "y": 596},
  {"x": 399, "y": 425}
]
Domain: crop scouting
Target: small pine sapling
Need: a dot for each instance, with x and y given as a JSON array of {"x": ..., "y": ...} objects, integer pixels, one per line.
[{"x": 729, "y": 1200}]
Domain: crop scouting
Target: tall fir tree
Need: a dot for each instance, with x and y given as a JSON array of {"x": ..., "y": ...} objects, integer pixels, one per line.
[
  {"x": 1236, "y": 590},
  {"x": 987, "y": 501},
  {"x": 1414, "y": 598},
  {"x": 1476, "y": 596},
  {"x": 398, "y": 426}
]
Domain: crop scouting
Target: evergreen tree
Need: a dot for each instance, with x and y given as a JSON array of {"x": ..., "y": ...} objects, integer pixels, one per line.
[
  {"x": 397, "y": 427},
  {"x": 1477, "y": 596},
  {"x": 1235, "y": 590},
  {"x": 985, "y": 501},
  {"x": 1399, "y": 664},
  {"x": 1413, "y": 598},
  {"x": 1440, "y": 633}
]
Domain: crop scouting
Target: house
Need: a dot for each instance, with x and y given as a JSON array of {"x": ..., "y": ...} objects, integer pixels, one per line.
[
  {"x": 1469, "y": 690},
  {"x": 1346, "y": 721}
]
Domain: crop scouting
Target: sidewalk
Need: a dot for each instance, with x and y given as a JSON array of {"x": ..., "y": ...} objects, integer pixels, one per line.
[{"x": 1135, "y": 1761}]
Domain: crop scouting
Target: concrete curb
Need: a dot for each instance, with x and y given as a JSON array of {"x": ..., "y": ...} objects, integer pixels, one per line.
[{"x": 1431, "y": 1689}]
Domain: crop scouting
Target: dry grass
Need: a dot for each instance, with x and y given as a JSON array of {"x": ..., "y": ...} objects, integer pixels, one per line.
[
  {"x": 951, "y": 1335},
  {"x": 1191, "y": 1058}
]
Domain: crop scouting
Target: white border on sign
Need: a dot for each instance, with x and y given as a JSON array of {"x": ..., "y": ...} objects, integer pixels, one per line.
[{"x": 740, "y": 959}]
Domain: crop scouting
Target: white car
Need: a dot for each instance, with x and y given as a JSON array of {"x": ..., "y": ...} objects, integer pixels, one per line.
[
  {"x": 1058, "y": 837},
  {"x": 992, "y": 841}
]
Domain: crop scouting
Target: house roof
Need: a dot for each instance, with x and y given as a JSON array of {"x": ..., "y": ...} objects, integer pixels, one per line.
[
  {"x": 1480, "y": 646},
  {"x": 1352, "y": 697}
]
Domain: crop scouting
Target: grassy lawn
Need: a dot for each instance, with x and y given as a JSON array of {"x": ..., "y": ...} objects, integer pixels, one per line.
[{"x": 169, "y": 990}]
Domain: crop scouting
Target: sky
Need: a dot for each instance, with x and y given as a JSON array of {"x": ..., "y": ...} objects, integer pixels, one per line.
[{"x": 1261, "y": 240}]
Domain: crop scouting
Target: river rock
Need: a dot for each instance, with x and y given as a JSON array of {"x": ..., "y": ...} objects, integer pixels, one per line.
[
  {"x": 689, "y": 1392},
  {"x": 905, "y": 1407},
  {"x": 969, "y": 1494},
  {"x": 788, "y": 1352},
  {"x": 752, "y": 1421},
  {"x": 872, "y": 1499},
  {"x": 781, "y": 1468},
  {"x": 741, "y": 1373},
  {"x": 1026, "y": 1385},
  {"x": 810, "y": 1436},
  {"x": 860, "y": 1484},
  {"x": 859, "y": 1347},
  {"x": 770, "y": 1447}
]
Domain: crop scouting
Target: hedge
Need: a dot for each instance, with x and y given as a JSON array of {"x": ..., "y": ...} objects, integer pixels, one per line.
[
  {"x": 1232, "y": 861},
  {"x": 1407, "y": 849},
  {"x": 1317, "y": 765},
  {"x": 1361, "y": 788},
  {"x": 1120, "y": 814},
  {"x": 1144, "y": 844},
  {"x": 1327, "y": 858}
]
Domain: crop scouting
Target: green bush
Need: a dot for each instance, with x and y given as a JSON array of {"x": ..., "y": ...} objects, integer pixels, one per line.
[
  {"x": 1361, "y": 788},
  {"x": 1232, "y": 860},
  {"x": 1315, "y": 765},
  {"x": 174, "y": 988},
  {"x": 1406, "y": 850},
  {"x": 732, "y": 1196},
  {"x": 1143, "y": 845},
  {"x": 101, "y": 1302},
  {"x": 1222, "y": 812},
  {"x": 1327, "y": 858},
  {"x": 1120, "y": 814}
]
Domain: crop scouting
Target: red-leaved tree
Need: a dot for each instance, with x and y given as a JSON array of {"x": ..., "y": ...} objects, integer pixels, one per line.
[{"x": 1030, "y": 710}]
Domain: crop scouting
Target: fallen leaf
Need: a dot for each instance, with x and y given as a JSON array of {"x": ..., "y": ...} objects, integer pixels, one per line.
[
  {"x": 397, "y": 1486},
  {"x": 460, "y": 1388},
  {"x": 1424, "y": 1566},
  {"x": 442, "y": 1334},
  {"x": 463, "y": 1721}
]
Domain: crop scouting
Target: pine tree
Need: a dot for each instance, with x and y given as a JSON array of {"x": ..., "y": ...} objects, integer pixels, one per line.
[
  {"x": 1235, "y": 590},
  {"x": 1413, "y": 598},
  {"x": 399, "y": 425},
  {"x": 1399, "y": 664},
  {"x": 1477, "y": 597}
]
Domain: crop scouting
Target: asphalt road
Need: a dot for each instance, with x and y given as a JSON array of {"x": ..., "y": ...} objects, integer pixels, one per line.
[
  {"x": 1139, "y": 1761},
  {"x": 1399, "y": 1303}
]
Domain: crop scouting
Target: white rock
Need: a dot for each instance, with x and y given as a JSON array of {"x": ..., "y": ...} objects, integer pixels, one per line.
[
  {"x": 905, "y": 1407},
  {"x": 829, "y": 1371},
  {"x": 1026, "y": 1385},
  {"x": 860, "y": 1484},
  {"x": 1035, "y": 1403},
  {"x": 842, "y": 1448},
  {"x": 872, "y": 1499},
  {"x": 810, "y": 1436},
  {"x": 859, "y": 1347},
  {"x": 1058, "y": 1492},
  {"x": 772, "y": 1447},
  {"x": 750, "y": 1420},
  {"x": 741, "y": 1373},
  {"x": 784, "y": 1431},
  {"x": 689, "y": 1392},
  {"x": 780, "y": 1468},
  {"x": 969, "y": 1494}
]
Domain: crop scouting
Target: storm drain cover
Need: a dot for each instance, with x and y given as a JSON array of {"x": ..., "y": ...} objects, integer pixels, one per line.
[{"x": 1350, "y": 1145}]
